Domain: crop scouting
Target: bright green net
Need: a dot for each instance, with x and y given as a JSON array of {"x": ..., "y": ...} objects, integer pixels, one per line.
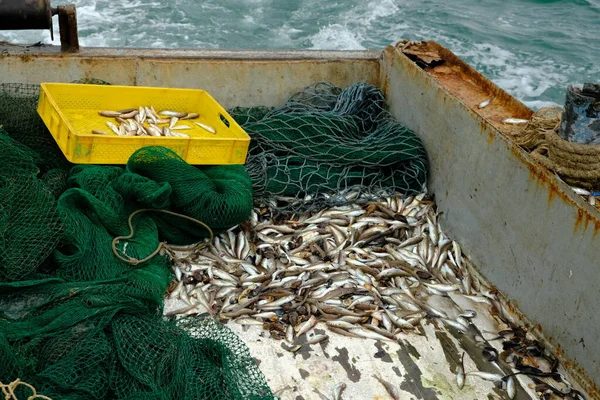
[
  {"x": 76, "y": 322},
  {"x": 329, "y": 146}
]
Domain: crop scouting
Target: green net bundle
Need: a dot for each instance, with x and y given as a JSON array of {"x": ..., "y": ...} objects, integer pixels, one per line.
[
  {"x": 329, "y": 146},
  {"x": 75, "y": 321}
]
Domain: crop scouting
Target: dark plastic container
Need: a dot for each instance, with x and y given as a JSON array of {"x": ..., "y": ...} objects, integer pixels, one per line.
[{"x": 581, "y": 115}]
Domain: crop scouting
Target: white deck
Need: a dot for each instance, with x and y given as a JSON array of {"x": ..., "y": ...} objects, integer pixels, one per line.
[{"x": 418, "y": 367}]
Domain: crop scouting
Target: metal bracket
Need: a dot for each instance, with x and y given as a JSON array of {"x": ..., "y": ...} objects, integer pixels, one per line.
[{"x": 67, "y": 24}]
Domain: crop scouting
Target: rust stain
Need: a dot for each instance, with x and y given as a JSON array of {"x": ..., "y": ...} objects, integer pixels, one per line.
[
  {"x": 545, "y": 178},
  {"x": 26, "y": 57},
  {"x": 578, "y": 220},
  {"x": 550, "y": 197}
]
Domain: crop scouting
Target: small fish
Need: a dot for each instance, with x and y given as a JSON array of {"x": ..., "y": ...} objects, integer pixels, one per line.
[
  {"x": 289, "y": 334},
  {"x": 170, "y": 113},
  {"x": 97, "y": 132},
  {"x": 294, "y": 348},
  {"x": 127, "y": 110},
  {"x": 149, "y": 115},
  {"x": 486, "y": 376},
  {"x": 306, "y": 326},
  {"x": 515, "y": 121},
  {"x": 317, "y": 339},
  {"x": 511, "y": 389},
  {"x": 337, "y": 391},
  {"x": 388, "y": 387},
  {"x": 130, "y": 114},
  {"x": 248, "y": 321},
  {"x": 486, "y": 103},
  {"x": 441, "y": 287},
  {"x": 110, "y": 114},
  {"x": 179, "y": 134},
  {"x": 141, "y": 114},
  {"x": 113, "y": 127},
  {"x": 365, "y": 333},
  {"x": 173, "y": 122},
  {"x": 456, "y": 325},
  {"x": 191, "y": 116},
  {"x": 580, "y": 191},
  {"x": 468, "y": 314},
  {"x": 153, "y": 130},
  {"x": 460, "y": 374},
  {"x": 205, "y": 127},
  {"x": 179, "y": 127}
]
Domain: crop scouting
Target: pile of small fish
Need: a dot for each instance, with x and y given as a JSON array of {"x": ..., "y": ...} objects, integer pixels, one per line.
[
  {"x": 589, "y": 196},
  {"x": 145, "y": 121},
  {"x": 377, "y": 270}
]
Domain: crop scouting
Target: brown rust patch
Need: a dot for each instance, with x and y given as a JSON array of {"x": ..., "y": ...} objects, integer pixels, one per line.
[
  {"x": 472, "y": 88},
  {"x": 26, "y": 57},
  {"x": 545, "y": 178}
]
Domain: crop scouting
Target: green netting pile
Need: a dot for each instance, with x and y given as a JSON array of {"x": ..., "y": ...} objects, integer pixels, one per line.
[
  {"x": 329, "y": 146},
  {"x": 75, "y": 321}
]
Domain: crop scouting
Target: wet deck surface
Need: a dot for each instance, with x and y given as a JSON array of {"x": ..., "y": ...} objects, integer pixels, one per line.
[{"x": 416, "y": 367}]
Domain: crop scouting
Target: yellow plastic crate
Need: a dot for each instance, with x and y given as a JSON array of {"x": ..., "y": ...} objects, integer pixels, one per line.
[{"x": 70, "y": 111}]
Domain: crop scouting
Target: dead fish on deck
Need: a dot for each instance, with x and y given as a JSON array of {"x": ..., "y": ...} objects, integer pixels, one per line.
[
  {"x": 515, "y": 121},
  {"x": 485, "y": 103},
  {"x": 389, "y": 388}
]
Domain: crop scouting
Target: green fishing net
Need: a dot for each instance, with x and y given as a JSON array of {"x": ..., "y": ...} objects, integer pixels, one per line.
[
  {"x": 330, "y": 146},
  {"x": 76, "y": 322}
]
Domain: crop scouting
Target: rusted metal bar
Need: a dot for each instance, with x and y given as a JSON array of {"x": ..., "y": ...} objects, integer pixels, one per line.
[
  {"x": 25, "y": 14},
  {"x": 67, "y": 23}
]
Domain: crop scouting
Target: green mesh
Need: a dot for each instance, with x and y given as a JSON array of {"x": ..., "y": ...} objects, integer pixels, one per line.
[
  {"x": 327, "y": 146},
  {"x": 75, "y": 321}
]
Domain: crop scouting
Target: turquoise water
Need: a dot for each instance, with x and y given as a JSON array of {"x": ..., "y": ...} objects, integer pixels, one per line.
[{"x": 531, "y": 48}]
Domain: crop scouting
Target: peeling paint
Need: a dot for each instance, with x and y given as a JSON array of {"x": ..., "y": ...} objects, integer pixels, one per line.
[
  {"x": 382, "y": 354},
  {"x": 342, "y": 359},
  {"x": 303, "y": 373},
  {"x": 412, "y": 379},
  {"x": 412, "y": 350}
]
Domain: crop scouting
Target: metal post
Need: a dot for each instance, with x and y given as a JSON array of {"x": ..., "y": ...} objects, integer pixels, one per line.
[{"x": 67, "y": 23}]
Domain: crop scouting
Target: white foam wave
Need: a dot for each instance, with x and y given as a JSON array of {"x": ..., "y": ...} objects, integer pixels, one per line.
[{"x": 337, "y": 37}]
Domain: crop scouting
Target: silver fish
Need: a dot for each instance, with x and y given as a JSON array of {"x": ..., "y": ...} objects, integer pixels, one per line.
[
  {"x": 206, "y": 127},
  {"x": 337, "y": 391},
  {"x": 460, "y": 373},
  {"x": 515, "y": 121},
  {"x": 306, "y": 326},
  {"x": 110, "y": 114},
  {"x": 113, "y": 127},
  {"x": 487, "y": 376},
  {"x": 485, "y": 103},
  {"x": 171, "y": 113}
]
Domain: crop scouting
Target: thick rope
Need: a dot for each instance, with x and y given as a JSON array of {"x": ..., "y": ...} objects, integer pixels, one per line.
[
  {"x": 578, "y": 164},
  {"x": 162, "y": 245},
  {"x": 9, "y": 391}
]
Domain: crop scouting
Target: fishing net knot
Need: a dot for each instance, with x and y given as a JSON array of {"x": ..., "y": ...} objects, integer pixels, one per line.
[{"x": 9, "y": 390}]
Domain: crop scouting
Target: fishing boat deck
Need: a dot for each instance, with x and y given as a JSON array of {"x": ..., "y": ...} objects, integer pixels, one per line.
[{"x": 419, "y": 366}]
